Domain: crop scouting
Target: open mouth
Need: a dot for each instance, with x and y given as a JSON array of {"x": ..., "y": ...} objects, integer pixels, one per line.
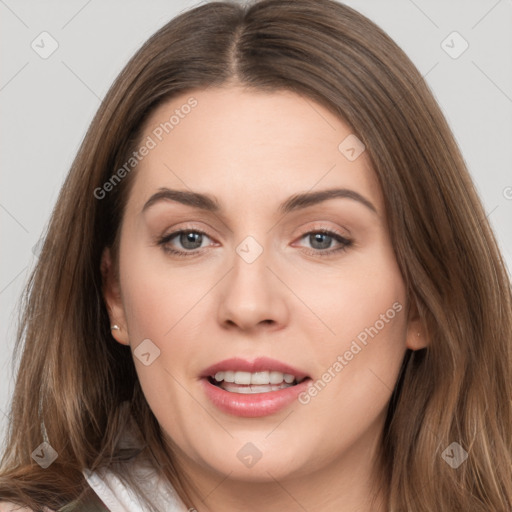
[{"x": 252, "y": 383}]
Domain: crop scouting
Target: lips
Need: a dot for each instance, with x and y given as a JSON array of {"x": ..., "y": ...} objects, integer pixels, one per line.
[{"x": 249, "y": 388}]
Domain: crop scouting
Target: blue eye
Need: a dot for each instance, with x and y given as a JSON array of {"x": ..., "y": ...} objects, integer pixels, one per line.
[
  {"x": 190, "y": 240},
  {"x": 321, "y": 242}
]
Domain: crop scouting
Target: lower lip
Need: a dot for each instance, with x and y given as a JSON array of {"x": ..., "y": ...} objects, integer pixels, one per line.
[{"x": 255, "y": 404}]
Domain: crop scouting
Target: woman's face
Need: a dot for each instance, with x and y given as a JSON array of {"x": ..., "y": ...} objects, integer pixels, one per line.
[{"x": 270, "y": 266}]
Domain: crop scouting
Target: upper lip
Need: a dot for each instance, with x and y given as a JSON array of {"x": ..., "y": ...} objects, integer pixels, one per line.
[{"x": 259, "y": 364}]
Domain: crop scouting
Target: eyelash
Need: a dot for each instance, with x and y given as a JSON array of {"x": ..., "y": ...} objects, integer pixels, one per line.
[{"x": 344, "y": 242}]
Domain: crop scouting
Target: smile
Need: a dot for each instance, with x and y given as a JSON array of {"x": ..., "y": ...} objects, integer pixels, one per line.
[
  {"x": 251, "y": 383},
  {"x": 252, "y": 389}
]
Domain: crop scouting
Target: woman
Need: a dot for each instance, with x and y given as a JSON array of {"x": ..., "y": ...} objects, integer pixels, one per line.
[{"x": 268, "y": 284}]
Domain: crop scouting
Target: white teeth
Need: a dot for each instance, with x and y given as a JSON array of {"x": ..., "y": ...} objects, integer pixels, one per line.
[
  {"x": 242, "y": 378},
  {"x": 229, "y": 376},
  {"x": 276, "y": 377},
  {"x": 247, "y": 390},
  {"x": 260, "y": 378},
  {"x": 257, "y": 378}
]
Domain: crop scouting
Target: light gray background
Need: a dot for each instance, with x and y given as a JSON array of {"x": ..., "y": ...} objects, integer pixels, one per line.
[{"x": 47, "y": 105}]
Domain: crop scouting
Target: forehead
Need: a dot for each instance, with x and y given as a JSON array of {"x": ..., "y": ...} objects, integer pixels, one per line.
[{"x": 248, "y": 146}]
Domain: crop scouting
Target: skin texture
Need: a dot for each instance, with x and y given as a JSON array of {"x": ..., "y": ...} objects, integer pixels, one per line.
[{"x": 252, "y": 151}]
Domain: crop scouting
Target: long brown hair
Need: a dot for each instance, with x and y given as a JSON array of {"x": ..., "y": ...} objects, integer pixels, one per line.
[{"x": 74, "y": 378}]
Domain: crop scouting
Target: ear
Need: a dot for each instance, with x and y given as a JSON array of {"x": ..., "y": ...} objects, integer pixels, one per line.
[
  {"x": 416, "y": 337},
  {"x": 112, "y": 295}
]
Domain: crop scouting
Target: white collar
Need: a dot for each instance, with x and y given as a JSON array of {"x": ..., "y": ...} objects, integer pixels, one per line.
[
  {"x": 119, "y": 498},
  {"x": 116, "y": 495}
]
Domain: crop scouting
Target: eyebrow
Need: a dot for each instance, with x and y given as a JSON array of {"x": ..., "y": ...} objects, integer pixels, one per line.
[{"x": 296, "y": 202}]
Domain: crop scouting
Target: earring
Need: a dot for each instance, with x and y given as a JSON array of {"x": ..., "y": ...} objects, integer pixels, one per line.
[{"x": 115, "y": 328}]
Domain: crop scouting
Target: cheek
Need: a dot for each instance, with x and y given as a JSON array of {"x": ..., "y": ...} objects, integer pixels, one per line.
[
  {"x": 362, "y": 342},
  {"x": 157, "y": 296},
  {"x": 162, "y": 304},
  {"x": 361, "y": 298},
  {"x": 360, "y": 352},
  {"x": 366, "y": 311}
]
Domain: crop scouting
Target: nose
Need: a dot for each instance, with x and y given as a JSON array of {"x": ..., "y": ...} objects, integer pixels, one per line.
[{"x": 252, "y": 297}]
